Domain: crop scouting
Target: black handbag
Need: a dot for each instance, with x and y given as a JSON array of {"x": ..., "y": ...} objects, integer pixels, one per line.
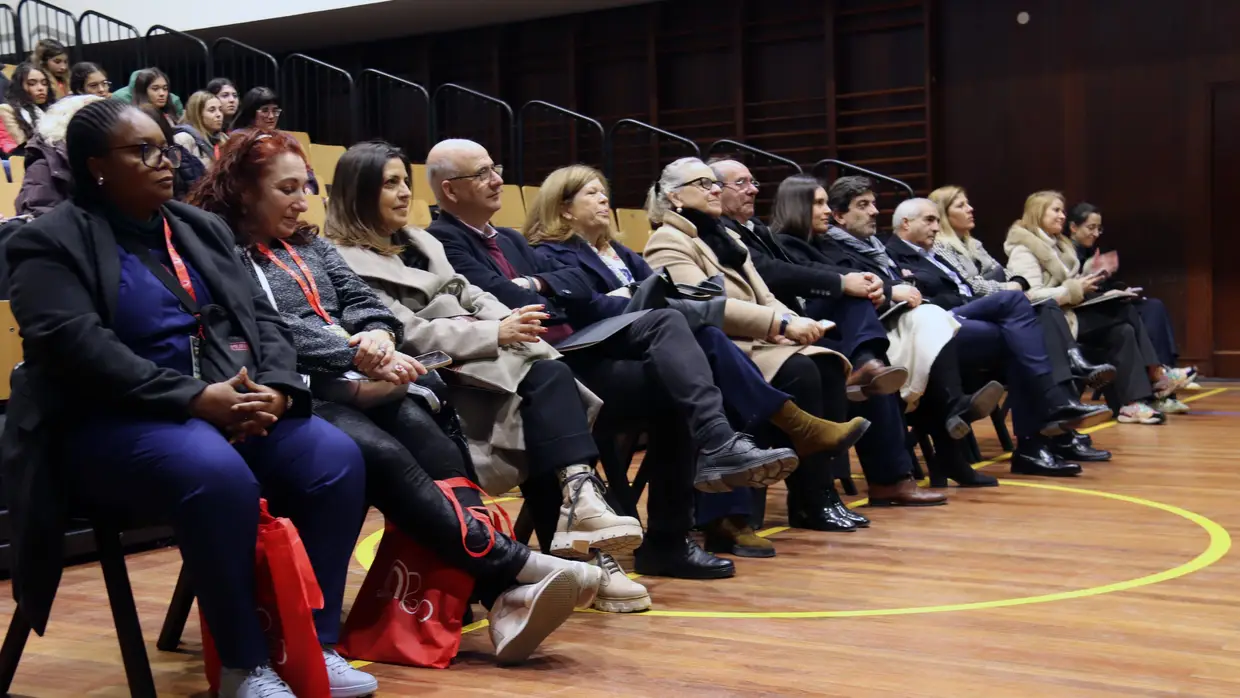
[
  {"x": 702, "y": 304},
  {"x": 222, "y": 352}
]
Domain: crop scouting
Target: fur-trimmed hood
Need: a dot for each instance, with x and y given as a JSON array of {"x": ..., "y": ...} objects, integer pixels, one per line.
[
  {"x": 1056, "y": 257},
  {"x": 55, "y": 121}
]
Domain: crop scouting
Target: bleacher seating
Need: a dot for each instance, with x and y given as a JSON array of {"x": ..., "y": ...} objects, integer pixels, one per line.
[
  {"x": 317, "y": 213},
  {"x": 303, "y": 138},
  {"x": 634, "y": 228},
  {"x": 512, "y": 209},
  {"x": 17, "y": 169},
  {"x": 420, "y": 188},
  {"x": 529, "y": 193},
  {"x": 419, "y": 214},
  {"x": 323, "y": 159}
]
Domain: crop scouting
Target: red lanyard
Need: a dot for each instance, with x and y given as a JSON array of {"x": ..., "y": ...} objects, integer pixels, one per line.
[
  {"x": 312, "y": 290},
  {"x": 178, "y": 266},
  {"x": 217, "y": 151}
]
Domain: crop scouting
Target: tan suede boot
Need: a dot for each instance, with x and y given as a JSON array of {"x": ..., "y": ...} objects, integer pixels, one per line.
[
  {"x": 586, "y": 521},
  {"x": 810, "y": 434}
]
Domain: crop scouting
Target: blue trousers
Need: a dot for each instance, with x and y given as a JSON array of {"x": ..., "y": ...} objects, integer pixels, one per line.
[
  {"x": 856, "y": 324},
  {"x": 188, "y": 474},
  {"x": 1002, "y": 331},
  {"x": 1158, "y": 326}
]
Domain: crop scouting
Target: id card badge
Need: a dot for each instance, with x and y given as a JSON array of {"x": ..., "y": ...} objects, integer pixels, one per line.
[
  {"x": 337, "y": 330},
  {"x": 195, "y": 353}
]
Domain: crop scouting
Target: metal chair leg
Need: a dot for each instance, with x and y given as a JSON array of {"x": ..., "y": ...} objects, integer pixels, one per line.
[
  {"x": 178, "y": 614},
  {"x": 11, "y": 652},
  {"x": 124, "y": 613},
  {"x": 998, "y": 419}
]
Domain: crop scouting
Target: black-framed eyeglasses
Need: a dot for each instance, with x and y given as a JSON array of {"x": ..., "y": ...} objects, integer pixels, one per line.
[
  {"x": 703, "y": 183},
  {"x": 152, "y": 155},
  {"x": 482, "y": 175},
  {"x": 271, "y": 111},
  {"x": 742, "y": 183}
]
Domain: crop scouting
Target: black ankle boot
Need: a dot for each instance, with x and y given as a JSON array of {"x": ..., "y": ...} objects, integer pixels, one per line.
[
  {"x": 680, "y": 557},
  {"x": 1093, "y": 375},
  {"x": 818, "y": 514},
  {"x": 833, "y": 498}
]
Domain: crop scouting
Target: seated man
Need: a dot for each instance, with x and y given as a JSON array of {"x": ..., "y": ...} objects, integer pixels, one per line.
[
  {"x": 648, "y": 370},
  {"x": 999, "y": 328}
]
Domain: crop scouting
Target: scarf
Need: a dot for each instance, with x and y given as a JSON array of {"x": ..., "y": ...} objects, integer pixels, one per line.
[
  {"x": 870, "y": 247},
  {"x": 731, "y": 253}
]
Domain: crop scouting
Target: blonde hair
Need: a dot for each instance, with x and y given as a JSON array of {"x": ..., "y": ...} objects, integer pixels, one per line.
[
  {"x": 545, "y": 222},
  {"x": 944, "y": 197},
  {"x": 1035, "y": 209},
  {"x": 193, "y": 113},
  {"x": 657, "y": 202}
]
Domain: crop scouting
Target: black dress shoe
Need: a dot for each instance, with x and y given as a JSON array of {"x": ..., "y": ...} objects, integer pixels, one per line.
[
  {"x": 1037, "y": 459},
  {"x": 1094, "y": 375},
  {"x": 681, "y": 558},
  {"x": 1074, "y": 415},
  {"x": 976, "y": 406},
  {"x": 833, "y": 499},
  {"x": 742, "y": 463},
  {"x": 1071, "y": 447},
  {"x": 818, "y": 516},
  {"x": 1082, "y": 438},
  {"x": 964, "y": 476}
]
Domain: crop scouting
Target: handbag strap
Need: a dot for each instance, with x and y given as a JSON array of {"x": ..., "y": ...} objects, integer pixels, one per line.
[{"x": 483, "y": 514}]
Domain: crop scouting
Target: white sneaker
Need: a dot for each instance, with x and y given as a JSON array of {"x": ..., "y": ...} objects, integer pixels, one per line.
[
  {"x": 347, "y": 682},
  {"x": 618, "y": 594},
  {"x": 1139, "y": 413},
  {"x": 586, "y": 521},
  {"x": 262, "y": 682},
  {"x": 522, "y": 617},
  {"x": 1171, "y": 405}
]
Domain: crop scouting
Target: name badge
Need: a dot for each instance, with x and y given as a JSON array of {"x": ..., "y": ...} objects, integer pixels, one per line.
[{"x": 195, "y": 352}]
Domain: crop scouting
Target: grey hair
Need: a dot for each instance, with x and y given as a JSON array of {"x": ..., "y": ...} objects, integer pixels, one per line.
[
  {"x": 908, "y": 209},
  {"x": 657, "y": 203}
]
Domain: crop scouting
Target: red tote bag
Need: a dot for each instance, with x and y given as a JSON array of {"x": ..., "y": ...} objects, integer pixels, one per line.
[
  {"x": 410, "y": 606},
  {"x": 287, "y": 593}
]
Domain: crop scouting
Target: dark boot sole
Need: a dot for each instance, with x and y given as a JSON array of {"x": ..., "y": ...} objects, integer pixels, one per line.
[
  {"x": 1046, "y": 473},
  {"x": 656, "y": 571},
  {"x": 727, "y": 547},
  {"x": 762, "y": 474},
  {"x": 887, "y": 382},
  {"x": 898, "y": 503},
  {"x": 1099, "y": 379},
  {"x": 1055, "y": 428}
]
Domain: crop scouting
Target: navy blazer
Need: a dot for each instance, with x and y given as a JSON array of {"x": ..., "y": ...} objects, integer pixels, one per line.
[
  {"x": 570, "y": 298},
  {"x": 821, "y": 249},
  {"x": 787, "y": 278},
  {"x": 935, "y": 285},
  {"x": 576, "y": 252}
]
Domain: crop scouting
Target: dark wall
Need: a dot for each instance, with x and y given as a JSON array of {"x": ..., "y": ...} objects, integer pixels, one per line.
[{"x": 1109, "y": 101}]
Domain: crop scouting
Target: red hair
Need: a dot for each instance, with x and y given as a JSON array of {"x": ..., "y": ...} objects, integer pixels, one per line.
[{"x": 242, "y": 163}]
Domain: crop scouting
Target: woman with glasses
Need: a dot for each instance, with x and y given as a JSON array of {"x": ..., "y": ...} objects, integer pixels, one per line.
[
  {"x": 260, "y": 109},
  {"x": 692, "y": 244},
  {"x": 27, "y": 98},
  {"x": 1085, "y": 228},
  {"x": 89, "y": 79},
  {"x": 160, "y": 412}
]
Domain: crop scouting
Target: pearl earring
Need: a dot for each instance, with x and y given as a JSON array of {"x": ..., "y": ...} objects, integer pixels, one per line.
[
  {"x": 100, "y": 180},
  {"x": 678, "y": 209}
]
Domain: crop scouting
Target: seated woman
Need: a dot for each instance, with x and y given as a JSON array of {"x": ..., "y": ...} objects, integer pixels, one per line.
[
  {"x": 188, "y": 169},
  {"x": 692, "y": 245},
  {"x": 25, "y": 101},
  {"x": 48, "y": 180},
  {"x": 570, "y": 221},
  {"x": 260, "y": 109},
  {"x": 956, "y": 245},
  {"x": 1085, "y": 227},
  {"x": 229, "y": 97},
  {"x": 338, "y": 326},
  {"x": 150, "y": 86},
  {"x": 135, "y": 431},
  {"x": 89, "y": 79},
  {"x": 202, "y": 127},
  {"x": 51, "y": 57},
  {"x": 1039, "y": 252}
]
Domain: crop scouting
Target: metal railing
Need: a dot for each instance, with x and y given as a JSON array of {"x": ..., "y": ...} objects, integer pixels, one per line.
[
  {"x": 644, "y": 161},
  {"x": 548, "y": 156},
  {"x": 10, "y": 36},
  {"x": 395, "y": 110},
  {"x": 246, "y": 66},
  {"x": 41, "y": 20},
  {"x": 184, "y": 58},
  {"x": 317, "y": 99},
  {"x": 112, "y": 44},
  {"x": 822, "y": 170},
  {"x": 485, "y": 127}
]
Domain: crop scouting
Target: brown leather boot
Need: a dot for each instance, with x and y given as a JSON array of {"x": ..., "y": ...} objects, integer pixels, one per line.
[
  {"x": 733, "y": 535},
  {"x": 874, "y": 378},
  {"x": 904, "y": 493},
  {"x": 810, "y": 434}
]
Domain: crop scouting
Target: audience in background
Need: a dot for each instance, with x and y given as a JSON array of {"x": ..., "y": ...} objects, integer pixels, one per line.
[
  {"x": 48, "y": 180},
  {"x": 134, "y": 429},
  {"x": 260, "y": 108},
  {"x": 162, "y": 97},
  {"x": 1085, "y": 227},
  {"x": 227, "y": 92},
  {"x": 27, "y": 98},
  {"x": 51, "y": 57},
  {"x": 89, "y": 79},
  {"x": 202, "y": 128},
  {"x": 188, "y": 169}
]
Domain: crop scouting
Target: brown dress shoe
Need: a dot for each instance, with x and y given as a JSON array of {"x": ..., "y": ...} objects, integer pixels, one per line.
[
  {"x": 904, "y": 493},
  {"x": 875, "y": 378}
]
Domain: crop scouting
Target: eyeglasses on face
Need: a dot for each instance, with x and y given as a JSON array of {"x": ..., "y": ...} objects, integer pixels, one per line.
[
  {"x": 742, "y": 183},
  {"x": 152, "y": 155},
  {"x": 703, "y": 183},
  {"x": 271, "y": 111},
  {"x": 482, "y": 175}
]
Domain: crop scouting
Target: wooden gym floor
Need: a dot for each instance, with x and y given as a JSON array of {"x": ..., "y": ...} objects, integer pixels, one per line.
[{"x": 1116, "y": 583}]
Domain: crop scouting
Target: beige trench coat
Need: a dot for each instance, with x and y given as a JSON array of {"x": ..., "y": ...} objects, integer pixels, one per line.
[
  {"x": 751, "y": 307},
  {"x": 1049, "y": 265},
  {"x": 442, "y": 311}
]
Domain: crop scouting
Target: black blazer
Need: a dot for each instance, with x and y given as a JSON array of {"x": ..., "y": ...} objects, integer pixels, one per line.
[
  {"x": 65, "y": 276},
  {"x": 789, "y": 279},
  {"x": 570, "y": 298},
  {"x": 821, "y": 249},
  {"x": 936, "y": 287},
  {"x": 576, "y": 252}
]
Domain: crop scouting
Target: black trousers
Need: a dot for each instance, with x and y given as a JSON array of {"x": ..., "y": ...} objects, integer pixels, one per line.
[
  {"x": 1058, "y": 337},
  {"x": 1115, "y": 330},
  {"x": 405, "y": 451}
]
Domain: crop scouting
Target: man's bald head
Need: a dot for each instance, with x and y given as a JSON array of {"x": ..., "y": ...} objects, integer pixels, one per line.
[
  {"x": 739, "y": 191},
  {"x": 449, "y": 166}
]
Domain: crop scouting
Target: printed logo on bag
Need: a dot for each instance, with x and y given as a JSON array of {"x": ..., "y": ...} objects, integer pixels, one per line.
[
  {"x": 403, "y": 587},
  {"x": 277, "y": 648}
]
